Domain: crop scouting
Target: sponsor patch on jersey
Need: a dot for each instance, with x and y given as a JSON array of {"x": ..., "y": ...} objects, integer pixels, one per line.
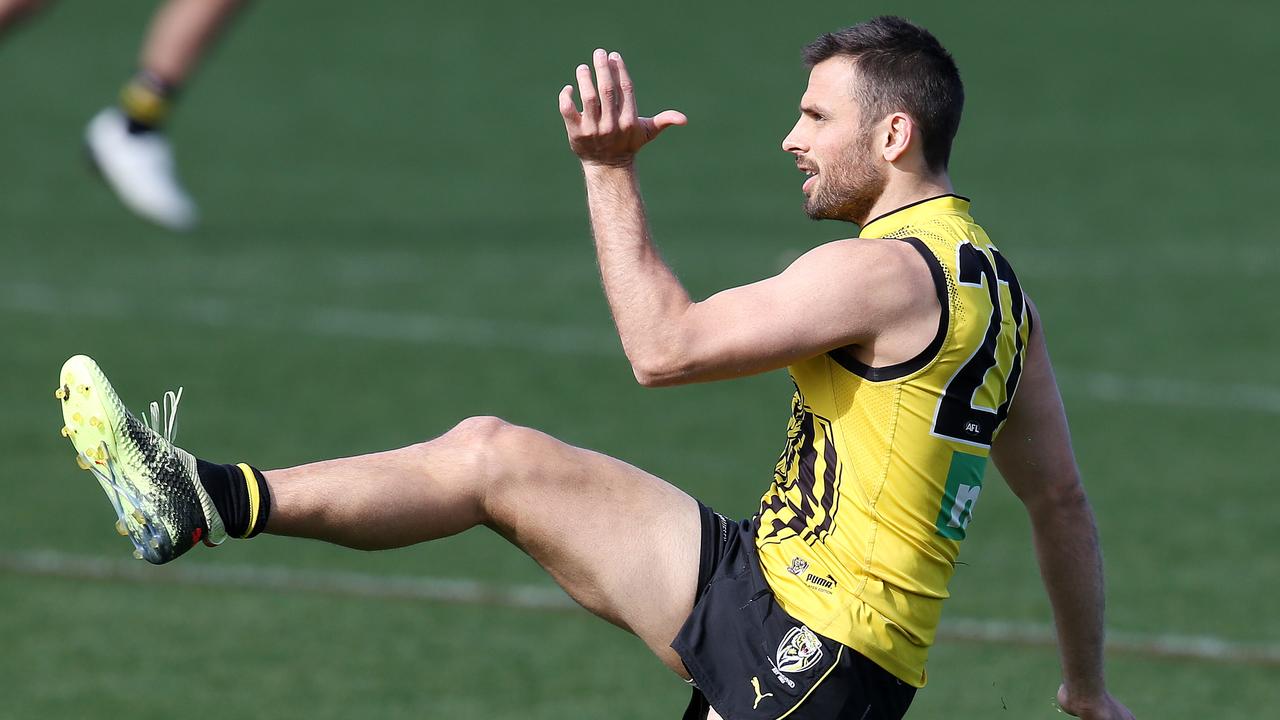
[
  {"x": 821, "y": 584},
  {"x": 799, "y": 650}
]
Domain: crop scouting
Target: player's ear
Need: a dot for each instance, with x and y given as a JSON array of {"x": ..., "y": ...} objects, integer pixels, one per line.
[{"x": 900, "y": 130}]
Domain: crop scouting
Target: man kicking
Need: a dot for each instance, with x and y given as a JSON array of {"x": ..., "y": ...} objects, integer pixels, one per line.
[{"x": 907, "y": 345}]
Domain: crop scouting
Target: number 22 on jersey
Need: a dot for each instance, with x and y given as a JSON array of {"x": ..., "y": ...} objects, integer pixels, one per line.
[{"x": 975, "y": 402}]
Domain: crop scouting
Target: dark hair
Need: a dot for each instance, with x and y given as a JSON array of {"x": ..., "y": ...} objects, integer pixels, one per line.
[{"x": 903, "y": 68}]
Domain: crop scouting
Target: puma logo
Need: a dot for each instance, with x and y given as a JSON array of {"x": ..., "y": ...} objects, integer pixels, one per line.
[{"x": 755, "y": 683}]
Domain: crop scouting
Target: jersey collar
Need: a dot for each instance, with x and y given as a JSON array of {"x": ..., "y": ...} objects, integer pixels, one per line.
[{"x": 908, "y": 214}]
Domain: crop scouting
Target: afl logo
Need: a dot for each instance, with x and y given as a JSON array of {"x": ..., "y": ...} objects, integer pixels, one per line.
[{"x": 799, "y": 650}]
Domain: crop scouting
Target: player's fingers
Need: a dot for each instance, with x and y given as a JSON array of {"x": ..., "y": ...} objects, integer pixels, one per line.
[
  {"x": 667, "y": 118},
  {"x": 590, "y": 100},
  {"x": 627, "y": 112},
  {"x": 608, "y": 88},
  {"x": 568, "y": 110},
  {"x": 663, "y": 120}
]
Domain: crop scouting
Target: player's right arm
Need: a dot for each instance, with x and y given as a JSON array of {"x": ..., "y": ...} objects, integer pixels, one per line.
[
  {"x": 1033, "y": 453},
  {"x": 840, "y": 294}
]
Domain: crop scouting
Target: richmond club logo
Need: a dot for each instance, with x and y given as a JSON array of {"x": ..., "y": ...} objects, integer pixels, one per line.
[
  {"x": 799, "y": 650},
  {"x": 798, "y": 566}
]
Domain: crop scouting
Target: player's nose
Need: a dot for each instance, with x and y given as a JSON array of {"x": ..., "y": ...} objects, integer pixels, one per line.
[{"x": 793, "y": 142}]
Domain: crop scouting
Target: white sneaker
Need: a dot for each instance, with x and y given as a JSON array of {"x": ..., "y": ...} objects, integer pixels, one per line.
[{"x": 140, "y": 169}]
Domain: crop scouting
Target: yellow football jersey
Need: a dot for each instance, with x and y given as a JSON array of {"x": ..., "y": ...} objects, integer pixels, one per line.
[{"x": 859, "y": 533}]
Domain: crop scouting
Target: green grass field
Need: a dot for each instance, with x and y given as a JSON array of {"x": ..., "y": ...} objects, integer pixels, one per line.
[{"x": 395, "y": 238}]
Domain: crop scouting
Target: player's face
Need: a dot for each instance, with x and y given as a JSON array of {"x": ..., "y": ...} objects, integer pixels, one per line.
[{"x": 833, "y": 147}]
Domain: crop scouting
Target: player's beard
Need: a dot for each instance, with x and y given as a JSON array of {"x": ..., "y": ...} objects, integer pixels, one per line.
[{"x": 848, "y": 188}]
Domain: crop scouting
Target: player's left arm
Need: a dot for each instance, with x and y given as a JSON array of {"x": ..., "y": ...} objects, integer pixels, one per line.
[
  {"x": 1033, "y": 453},
  {"x": 836, "y": 295}
]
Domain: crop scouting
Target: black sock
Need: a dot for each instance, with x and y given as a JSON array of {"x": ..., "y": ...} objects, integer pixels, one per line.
[
  {"x": 146, "y": 101},
  {"x": 244, "y": 507}
]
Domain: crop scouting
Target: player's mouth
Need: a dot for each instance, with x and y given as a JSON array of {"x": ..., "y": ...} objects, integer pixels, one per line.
[{"x": 811, "y": 177}]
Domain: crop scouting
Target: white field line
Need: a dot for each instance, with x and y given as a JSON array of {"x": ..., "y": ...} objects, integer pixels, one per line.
[
  {"x": 52, "y": 563},
  {"x": 342, "y": 322},
  {"x": 575, "y": 340},
  {"x": 1169, "y": 392}
]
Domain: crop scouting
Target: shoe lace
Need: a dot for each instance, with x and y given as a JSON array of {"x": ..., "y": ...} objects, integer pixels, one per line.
[{"x": 169, "y": 427}]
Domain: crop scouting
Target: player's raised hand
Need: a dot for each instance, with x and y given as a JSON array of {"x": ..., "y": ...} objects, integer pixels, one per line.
[{"x": 608, "y": 130}]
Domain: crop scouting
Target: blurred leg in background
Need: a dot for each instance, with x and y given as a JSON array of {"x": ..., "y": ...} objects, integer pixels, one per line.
[
  {"x": 127, "y": 142},
  {"x": 14, "y": 11}
]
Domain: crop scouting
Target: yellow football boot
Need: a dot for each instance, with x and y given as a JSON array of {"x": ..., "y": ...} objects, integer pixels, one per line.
[{"x": 152, "y": 484}]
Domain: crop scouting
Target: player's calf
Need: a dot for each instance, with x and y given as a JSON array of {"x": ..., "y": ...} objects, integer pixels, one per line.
[{"x": 394, "y": 498}]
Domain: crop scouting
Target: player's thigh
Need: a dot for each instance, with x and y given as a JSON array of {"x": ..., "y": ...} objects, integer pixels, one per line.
[{"x": 622, "y": 542}]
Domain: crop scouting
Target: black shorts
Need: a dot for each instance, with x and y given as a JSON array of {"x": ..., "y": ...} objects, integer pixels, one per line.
[{"x": 750, "y": 660}]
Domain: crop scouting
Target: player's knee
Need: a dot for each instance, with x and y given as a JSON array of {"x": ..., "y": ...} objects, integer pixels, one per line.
[
  {"x": 481, "y": 429},
  {"x": 489, "y": 447},
  {"x": 501, "y": 457}
]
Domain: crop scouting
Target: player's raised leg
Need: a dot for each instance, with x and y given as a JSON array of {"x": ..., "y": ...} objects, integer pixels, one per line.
[
  {"x": 620, "y": 541},
  {"x": 127, "y": 142}
]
